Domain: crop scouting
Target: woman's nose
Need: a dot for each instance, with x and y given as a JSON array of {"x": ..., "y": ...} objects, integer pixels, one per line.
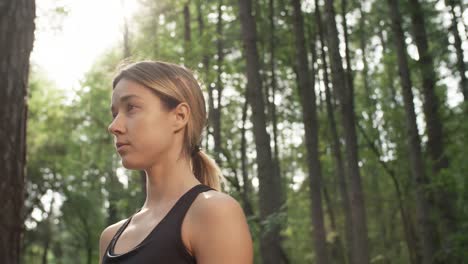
[{"x": 115, "y": 127}]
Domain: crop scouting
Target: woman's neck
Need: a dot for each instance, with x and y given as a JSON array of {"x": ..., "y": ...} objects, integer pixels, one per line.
[{"x": 167, "y": 180}]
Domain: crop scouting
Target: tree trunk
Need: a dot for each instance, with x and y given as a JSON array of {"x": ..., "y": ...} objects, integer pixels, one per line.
[
  {"x": 427, "y": 236},
  {"x": 431, "y": 101},
  {"x": 349, "y": 70},
  {"x": 444, "y": 199},
  {"x": 113, "y": 190},
  {"x": 408, "y": 225},
  {"x": 365, "y": 70},
  {"x": 206, "y": 65},
  {"x": 247, "y": 187},
  {"x": 187, "y": 34},
  {"x": 273, "y": 85},
  {"x": 335, "y": 141},
  {"x": 461, "y": 66},
  {"x": 154, "y": 40},
  {"x": 16, "y": 42},
  {"x": 337, "y": 251},
  {"x": 216, "y": 116},
  {"x": 309, "y": 108},
  {"x": 269, "y": 184},
  {"x": 345, "y": 97}
]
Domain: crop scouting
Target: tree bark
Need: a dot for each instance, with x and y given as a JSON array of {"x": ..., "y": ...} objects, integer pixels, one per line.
[
  {"x": 431, "y": 101},
  {"x": 16, "y": 42},
  {"x": 216, "y": 116},
  {"x": 309, "y": 113},
  {"x": 335, "y": 140},
  {"x": 269, "y": 184},
  {"x": 246, "y": 187},
  {"x": 444, "y": 199},
  {"x": 206, "y": 65},
  {"x": 429, "y": 241},
  {"x": 271, "y": 93},
  {"x": 349, "y": 70},
  {"x": 187, "y": 33},
  {"x": 461, "y": 66},
  {"x": 344, "y": 93},
  {"x": 408, "y": 225}
]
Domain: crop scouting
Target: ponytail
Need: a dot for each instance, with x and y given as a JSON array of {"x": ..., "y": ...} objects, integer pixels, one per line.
[{"x": 206, "y": 170}]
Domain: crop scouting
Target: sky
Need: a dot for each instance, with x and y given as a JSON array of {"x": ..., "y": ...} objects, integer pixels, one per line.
[
  {"x": 88, "y": 30},
  {"x": 93, "y": 26}
]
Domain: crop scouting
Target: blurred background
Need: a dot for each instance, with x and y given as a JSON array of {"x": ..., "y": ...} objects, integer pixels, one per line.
[{"x": 341, "y": 125}]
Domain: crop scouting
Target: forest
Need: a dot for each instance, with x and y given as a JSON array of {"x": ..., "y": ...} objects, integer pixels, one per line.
[{"x": 340, "y": 127}]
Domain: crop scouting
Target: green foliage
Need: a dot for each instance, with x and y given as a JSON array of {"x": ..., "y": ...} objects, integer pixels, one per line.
[{"x": 71, "y": 157}]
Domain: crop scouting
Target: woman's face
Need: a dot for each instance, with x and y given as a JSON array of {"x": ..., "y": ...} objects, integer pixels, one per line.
[{"x": 143, "y": 128}]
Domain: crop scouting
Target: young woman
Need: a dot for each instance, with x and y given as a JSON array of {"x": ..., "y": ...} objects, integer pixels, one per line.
[{"x": 159, "y": 114}]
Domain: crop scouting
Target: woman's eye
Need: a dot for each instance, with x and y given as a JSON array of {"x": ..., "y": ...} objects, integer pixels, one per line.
[{"x": 130, "y": 107}]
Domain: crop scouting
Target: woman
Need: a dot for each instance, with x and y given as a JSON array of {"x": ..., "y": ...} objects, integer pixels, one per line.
[{"x": 159, "y": 114}]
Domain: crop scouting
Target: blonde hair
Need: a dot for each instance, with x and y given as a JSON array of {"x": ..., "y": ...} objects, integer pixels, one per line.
[{"x": 175, "y": 84}]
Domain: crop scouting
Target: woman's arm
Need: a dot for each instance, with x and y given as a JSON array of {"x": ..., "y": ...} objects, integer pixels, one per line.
[{"x": 220, "y": 233}]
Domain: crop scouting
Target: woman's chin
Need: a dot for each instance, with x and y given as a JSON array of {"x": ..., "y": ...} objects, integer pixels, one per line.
[{"x": 131, "y": 165}]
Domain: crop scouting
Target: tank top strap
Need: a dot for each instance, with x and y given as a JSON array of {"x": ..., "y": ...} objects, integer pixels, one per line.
[
  {"x": 186, "y": 201},
  {"x": 117, "y": 234}
]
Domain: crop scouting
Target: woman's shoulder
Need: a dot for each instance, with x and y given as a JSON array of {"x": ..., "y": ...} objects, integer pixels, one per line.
[
  {"x": 219, "y": 229},
  {"x": 107, "y": 234},
  {"x": 215, "y": 202}
]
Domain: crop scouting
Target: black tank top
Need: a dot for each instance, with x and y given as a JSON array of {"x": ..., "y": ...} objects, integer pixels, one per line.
[{"x": 164, "y": 243}]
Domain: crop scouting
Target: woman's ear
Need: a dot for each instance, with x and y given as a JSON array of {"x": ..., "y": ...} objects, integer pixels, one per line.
[{"x": 181, "y": 116}]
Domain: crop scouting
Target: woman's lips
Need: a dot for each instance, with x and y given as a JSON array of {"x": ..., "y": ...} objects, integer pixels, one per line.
[{"x": 121, "y": 146}]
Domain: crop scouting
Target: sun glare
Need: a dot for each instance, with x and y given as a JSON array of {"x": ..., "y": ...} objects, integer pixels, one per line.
[{"x": 87, "y": 30}]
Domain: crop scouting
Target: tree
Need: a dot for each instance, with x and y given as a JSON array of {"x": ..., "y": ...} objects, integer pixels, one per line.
[
  {"x": 306, "y": 89},
  {"x": 335, "y": 140},
  {"x": 16, "y": 42},
  {"x": 345, "y": 96},
  {"x": 429, "y": 241},
  {"x": 270, "y": 184},
  {"x": 461, "y": 66}
]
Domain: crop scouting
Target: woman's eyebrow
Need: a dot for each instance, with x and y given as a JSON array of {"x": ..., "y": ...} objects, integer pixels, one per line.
[{"x": 126, "y": 98}]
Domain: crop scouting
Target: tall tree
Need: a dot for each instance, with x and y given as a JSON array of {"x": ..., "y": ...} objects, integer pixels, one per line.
[
  {"x": 461, "y": 66},
  {"x": 187, "y": 33},
  {"x": 272, "y": 88},
  {"x": 306, "y": 89},
  {"x": 349, "y": 70},
  {"x": 216, "y": 114},
  {"x": 205, "y": 60},
  {"x": 335, "y": 139},
  {"x": 431, "y": 101},
  {"x": 246, "y": 187},
  {"x": 427, "y": 236},
  {"x": 269, "y": 182},
  {"x": 444, "y": 199},
  {"x": 346, "y": 101},
  {"x": 16, "y": 42}
]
